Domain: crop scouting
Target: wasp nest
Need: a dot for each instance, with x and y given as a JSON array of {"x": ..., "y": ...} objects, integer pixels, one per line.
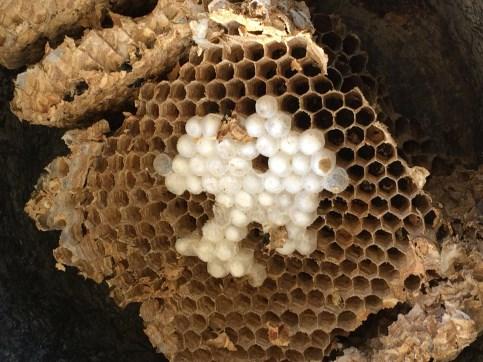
[{"x": 254, "y": 205}]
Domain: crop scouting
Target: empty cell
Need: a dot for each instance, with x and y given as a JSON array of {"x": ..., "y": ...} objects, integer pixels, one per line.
[
  {"x": 373, "y": 302},
  {"x": 343, "y": 283},
  {"x": 278, "y": 301},
  {"x": 376, "y": 170},
  {"x": 206, "y": 107},
  {"x": 324, "y": 206},
  {"x": 187, "y": 72},
  {"x": 355, "y": 172},
  {"x": 387, "y": 271},
  {"x": 421, "y": 202},
  {"x": 323, "y": 119},
  {"x": 187, "y": 108},
  {"x": 185, "y": 225},
  {"x": 310, "y": 69},
  {"x": 147, "y": 91},
  {"x": 213, "y": 55},
  {"x": 293, "y": 356},
  {"x": 275, "y": 50},
  {"x": 385, "y": 152},
  {"x": 375, "y": 253},
  {"x": 361, "y": 285},
  {"x": 326, "y": 321},
  {"x": 234, "y": 53},
  {"x": 256, "y": 87},
  {"x": 367, "y": 267},
  {"x": 413, "y": 223},
  {"x": 350, "y": 44},
  {"x": 297, "y": 47},
  {"x": 245, "y": 106},
  {"x": 152, "y": 110},
  {"x": 332, "y": 40},
  {"x": 375, "y": 135},
  {"x": 341, "y": 63},
  {"x": 276, "y": 86},
  {"x": 387, "y": 186},
  {"x": 253, "y": 50},
  {"x": 146, "y": 229},
  {"x": 379, "y": 287},
  {"x": 353, "y": 99},
  {"x": 245, "y": 70},
  {"x": 297, "y": 296},
  {"x": 383, "y": 238},
  {"x": 400, "y": 204},
  {"x": 334, "y": 219},
  {"x": 412, "y": 282},
  {"x": 348, "y": 267},
  {"x": 340, "y": 204},
  {"x": 169, "y": 110},
  {"x": 289, "y": 103},
  {"x": 266, "y": 69},
  {"x": 345, "y": 156},
  {"x": 312, "y": 102},
  {"x": 365, "y": 153},
  {"x": 335, "y": 77},
  {"x": 194, "y": 57},
  {"x": 333, "y": 100},
  {"x": 396, "y": 169},
  {"x": 391, "y": 221},
  {"x": 227, "y": 106},
  {"x": 325, "y": 236},
  {"x": 293, "y": 265},
  {"x": 396, "y": 257},
  {"x": 287, "y": 281},
  {"x": 290, "y": 319},
  {"x": 215, "y": 90},
  {"x": 305, "y": 281},
  {"x": 205, "y": 73},
  {"x": 378, "y": 205},
  {"x": 354, "y": 252},
  {"x": 334, "y": 252},
  {"x": 344, "y": 117},
  {"x": 301, "y": 121},
  {"x": 298, "y": 84},
  {"x": 323, "y": 282},
  {"x": 235, "y": 89},
  {"x": 358, "y": 207},
  {"x": 343, "y": 238},
  {"x": 406, "y": 186},
  {"x": 358, "y": 62},
  {"x": 308, "y": 321},
  {"x": 329, "y": 268},
  {"x": 177, "y": 90},
  {"x": 365, "y": 116},
  {"x": 225, "y": 71},
  {"x": 322, "y": 22},
  {"x": 350, "y": 82},
  {"x": 347, "y": 320},
  {"x": 366, "y": 190},
  {"x": 335, "y": 138},
  {"x": 286, "y": 68},
  {"x": 315, "y": 298},
  {"x": 321, "y": 84}
]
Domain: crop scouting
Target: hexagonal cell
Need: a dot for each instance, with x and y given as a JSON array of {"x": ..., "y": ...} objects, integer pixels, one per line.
[
  {"x": 278, "y": 302},
  {"x": 315, "y": 298},
  {"x": 286, "y": 68},
  {"x": 298, "y": 297},
  {"x": 235, "y": 89},
  {"x": 375, "y": 253},
  {"x": 383, "y": 238},
  {"x": 289, "y": 103},
  {"x": 297, "y": 47},
  {"x": 213, "y": 55},
  {"x": 367, "y": 267},
  {"x": 387, "y": 271},
  {"x": 227, "y": 106},
  {"x": 373, "y": 302},
  {"x": 299, "y": 84},
  {"x": 344, "y": 239},
  {"x": 253, "y": 50},
  {"x": 308, "y": 320},
  {"x": 293, "y": 265},
  {"x": 343, "y": 283},
  {"x": 245, "y": 70},
  {"x": 386, "y": 152},
  {"x": 350, "y": 44},
  {"x": 323, "y": 119},
  {"x": 245, "y": 106},
  {"x": 323, "y": 282},
  {"x": 379, "y": 287},
  {"x": 413, "y": 223},
  {"x": 354, "y": 252},
  {"x": 205, "y": 73},
  {"x": 400, "y": 204},
  {"x": 256, "y": 87},
  {"x": 286, "y": 281},
  {"x": 375, "y": 135},
  {"x": 335, "y": 138},
  {"x": 187, "y": 72},
  {"x": 321, "y": 84},
  {"x": 275, "y": 50},
  {"x": 290, "y": 318},
  {"x": 332, "y": 40},
  {"x": 329, "y": 268},
  {"x": 406, "y": 186},
  {"x": 396, "y": 257},
  {"x": 387, "y": 187},
  {"x": 421, "y": 202},
  {"x": 224, "y": 71},
  {"x": 341, "y": 62},
  {"x": 276, "y": 86},
  {"x": 347, "y": 320},
  {"x": 234, "y": 53},
  {"x": 391, "y": 221},
  {"x": 333, "y": 100},
  {"x": 293, "y": 355},
  {"x": 169, "y": 110},
  {"x": 266, "y": 69},
  {"x": 344, "y": 117},
  {"x": 358, "y": 62},
  {"x": 412, "y": 282},
  {"x": 356, "y": 173},
  {"x": 301, "y": 121},
  {"x": 259, "y": 303},
  {"x": 366, "y": 190},
  {"x": 326, "y": 321},
  {"x": 215, "y": 90}
]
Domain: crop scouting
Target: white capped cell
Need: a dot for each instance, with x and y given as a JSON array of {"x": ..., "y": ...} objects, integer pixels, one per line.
[
  {"x": 216, "y": 167},
  {"x": 300, "y": 164},
  {"x": 241, "y": 263},
  {"x": 211, "y": 124},
  {"x": 306, "y": 201},
  {"x": 279, "y": 164},
  {"x": 255, "y": 125},
  {"x": 216, "y": 269},
  {"x": 278, "y": 126},
  {"x": 205, "y": 250},
  {"x": 193, "y": 184},
  {"x": 323, "y": 162},
  {"x": 301, "y": 218},
  {"x": 180, "y": 165},
  {"x": 238, "y": 166},
  {"x": 313, "y": 183},
  {"x": 206, "y": 147},
  {"x": 284, "y": 200},
  {"x": 185, "y": 246},
  {"x": 257, "y": 275},
  {"x": 267, "y": 145},
  {"x": 265, "y": 199},
  {"x": 243, "y": 199},
  {"x": 248, "y": 151},
  {"x": 266, "y": 106},
  {"x": 226, "y": 149},
  {"x": 290, "y": 143},
  {"x": 308, "y": 243},
  {"x": 252, "y": 184},
  {"x": 225, "y": 200},
  {"x": 212, "y": 231},
  {"x": 193, "y": 127},
  {"x": 272, "y": 183},
  {"x": 230, "y": 184},
  {"x": 210, "y": 184},
  {"x": 311, "y": 141},
  {"x": 225, "y": 251},
  {"x": 337, "y": 181},
  {"x": 238, "y": 218},
  {"x": 293, "y": 184},
  {"x": 277, "y": 216},
  {"x": 198, "y": 165},
  {"x": 175, "y": 183},
  {"x": 162, "y": 164},
  {"x": 186, "y": 146},
  {"x": 233, "y": 233}
]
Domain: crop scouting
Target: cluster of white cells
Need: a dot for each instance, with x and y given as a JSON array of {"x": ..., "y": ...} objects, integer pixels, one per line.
[{"x": 284, "y": 195}]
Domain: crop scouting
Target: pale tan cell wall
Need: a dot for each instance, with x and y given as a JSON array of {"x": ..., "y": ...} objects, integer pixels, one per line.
[
  {"x": 364, "y": 232},
  {"x": 347, "y": 68}
]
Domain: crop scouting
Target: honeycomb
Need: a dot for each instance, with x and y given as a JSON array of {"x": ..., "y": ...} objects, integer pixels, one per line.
[
  {"x": 347, "y": 68},
  {"x": 126, "y": 222}
]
